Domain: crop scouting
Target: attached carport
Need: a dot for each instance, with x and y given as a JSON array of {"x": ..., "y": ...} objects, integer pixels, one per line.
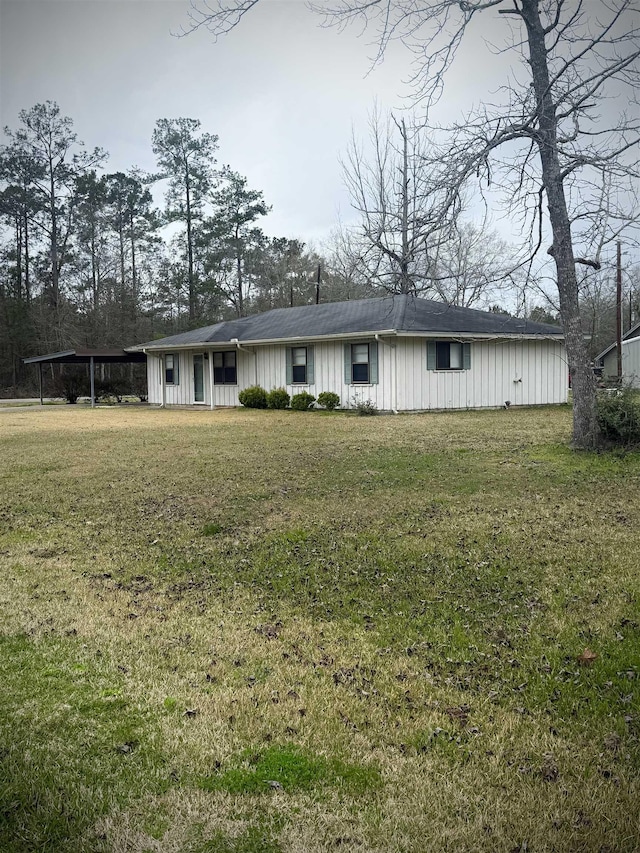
[{"x": 85, "y": 356}]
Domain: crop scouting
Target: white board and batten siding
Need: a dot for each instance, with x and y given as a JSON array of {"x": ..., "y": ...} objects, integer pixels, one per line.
[
  {"x": 183, "y": 393},
  {"x": 524, "y": 372},
  {"x": 631, "y": 362}
]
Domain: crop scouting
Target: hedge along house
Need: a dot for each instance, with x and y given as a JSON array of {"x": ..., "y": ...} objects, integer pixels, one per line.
[{"x": 400, "y": 352}]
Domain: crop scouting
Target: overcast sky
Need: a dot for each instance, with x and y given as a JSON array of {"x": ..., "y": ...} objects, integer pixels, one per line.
[{"x": 281, "y": 92}]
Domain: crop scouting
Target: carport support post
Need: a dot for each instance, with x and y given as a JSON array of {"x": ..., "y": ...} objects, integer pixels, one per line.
[
  {"x": 92, "y": 372},
  {"x": 40, "y": 377}
]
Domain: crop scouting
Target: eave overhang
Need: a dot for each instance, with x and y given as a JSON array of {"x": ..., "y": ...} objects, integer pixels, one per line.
[{"x": 346, "y": 336}]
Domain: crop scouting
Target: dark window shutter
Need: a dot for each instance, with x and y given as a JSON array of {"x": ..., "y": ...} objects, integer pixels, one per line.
[
  {"x": 289, "y": 366},
  {"x": 310, "y": 366},
  {"x": 176, "y": 369},
  {"x": 347, "y": 364},
  {"x": 373, "y": 363},
  {"x": 431, "y": 355},
  {"x": 466, "y": 356}
]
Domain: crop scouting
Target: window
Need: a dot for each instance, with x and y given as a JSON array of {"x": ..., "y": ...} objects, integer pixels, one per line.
[
  {"x": 300, "y": 366},
  {"x": 224, "y": 368},
  {"x": 361, "y": 364},
  {"x": 171, "y": 369},
  {"x": 448, "y": 355}
]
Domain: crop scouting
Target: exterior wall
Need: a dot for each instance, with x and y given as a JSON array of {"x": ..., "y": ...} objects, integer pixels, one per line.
[
  {"x": 523, "y": 372},
  {"x": 610, "y": 364},
  {"x": 183, "y": 393},
  {"x": 631, "y": 362},
  {"x": 328, "y": 374}
]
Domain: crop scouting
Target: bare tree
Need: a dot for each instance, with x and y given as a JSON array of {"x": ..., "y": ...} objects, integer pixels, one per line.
[
  {"x": 405, "y": 209},
  {"x": 546, "y": 140},
  {"x": 473, "y": 267}
]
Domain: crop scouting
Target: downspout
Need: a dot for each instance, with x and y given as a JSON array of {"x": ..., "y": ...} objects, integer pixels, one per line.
[
  {"x": 252, "y": 352},
  {"x": 394, "y": 367},
  {"x": 163, "y": 381},
  {"x": 93, "y": 382},
  {"x": 211, "y": 387}
]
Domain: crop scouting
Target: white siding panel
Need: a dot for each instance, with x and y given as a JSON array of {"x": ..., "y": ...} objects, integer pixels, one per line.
[
  {"x": 523, "y": 372},
  {"x": 328, "y": 374},
  {"x": 631, "y": 362}
]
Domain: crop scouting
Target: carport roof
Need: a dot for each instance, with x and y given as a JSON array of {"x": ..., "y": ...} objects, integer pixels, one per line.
[{"x": 84, "y": 356}]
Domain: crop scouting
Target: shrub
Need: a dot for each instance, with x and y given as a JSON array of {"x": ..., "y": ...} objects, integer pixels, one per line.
[
  {"x": 328, "y": 400},
  {"x": 365, "y": 408},
  {"x": 277, "y": 398},
  {"x": 619, "y": 417},
  {"x": 110, "y": 388},
  {"x": 253, "y": 397},
  {"x": 302, "y": 401},
  {"x": 72, "y": 384}
]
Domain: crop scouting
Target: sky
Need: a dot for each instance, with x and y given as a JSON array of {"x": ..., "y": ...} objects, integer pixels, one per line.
[{"x": 282, "y": 93}]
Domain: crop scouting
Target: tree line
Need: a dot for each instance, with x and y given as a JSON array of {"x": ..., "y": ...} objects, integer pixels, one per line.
[{"x": 87, "y": 260}]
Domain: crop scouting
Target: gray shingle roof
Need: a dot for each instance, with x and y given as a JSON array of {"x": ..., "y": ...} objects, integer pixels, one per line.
[
  {"x": 630, "y": 333},
  {"x": 400, "y": 313}
]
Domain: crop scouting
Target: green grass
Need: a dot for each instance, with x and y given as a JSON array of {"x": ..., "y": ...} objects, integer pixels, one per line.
[
  {"x": 385, "y": 617},
  {"x": 288, "y": 768}
]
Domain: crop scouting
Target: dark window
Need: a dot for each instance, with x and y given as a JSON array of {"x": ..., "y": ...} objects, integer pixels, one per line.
[
  {"x": 448, "y": 355},
  {"x": 360, "y": 363},
  {"x": 171, "y": 375},
  {"x": 299, "y": 364},
  {"x": 224, "y": 368}
]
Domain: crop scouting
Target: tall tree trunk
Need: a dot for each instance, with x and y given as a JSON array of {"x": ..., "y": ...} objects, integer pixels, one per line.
[
  {"x": 27, "y": 279},
  {"x": 18, "y": 288},
  {"x": 134, "y": 276},
  {"x": 54, "y": 239},
  {"x": 122, "y": 270},
  {"x": 585, "y": 427},
  {"x": 406, "y": 285},
  {"x": 192, "y": 284},
  {"x": 94, "y": 270}
]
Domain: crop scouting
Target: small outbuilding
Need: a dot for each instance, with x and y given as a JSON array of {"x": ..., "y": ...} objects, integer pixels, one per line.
[
  {"x": 607, "y": 360},
  {"x": 631, "y": 362},
  {"x": 400, "y": 352}
]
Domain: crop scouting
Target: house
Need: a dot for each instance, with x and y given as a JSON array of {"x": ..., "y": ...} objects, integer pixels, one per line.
[
  {"x": 631, "y": 362},
  {"x": 401, "y": 352},
  {"x": 607, "y": 360}
]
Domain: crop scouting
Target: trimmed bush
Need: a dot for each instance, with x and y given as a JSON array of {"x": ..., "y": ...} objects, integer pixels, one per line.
[
  {"x": 277, "y": 398},
  {"x": 328, "y": 400},
  {"x": 302, "y": 401},
  {"x": 253, "y": 397},
  {"x": 365, "y": 408},
  {"x": 619, "y": 417}
]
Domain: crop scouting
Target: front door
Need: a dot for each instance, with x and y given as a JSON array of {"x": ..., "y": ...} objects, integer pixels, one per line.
[{"x": 198, "y": 378}]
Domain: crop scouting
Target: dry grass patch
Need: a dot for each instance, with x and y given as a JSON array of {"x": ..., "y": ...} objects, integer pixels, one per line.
[{"x": 387, "y": 615}]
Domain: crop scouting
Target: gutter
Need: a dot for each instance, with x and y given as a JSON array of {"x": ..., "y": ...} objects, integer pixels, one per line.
[
  {"x": 241, "y": 347},
  {"x": 346, "y": 336},
  {"x": 349, "y": 336}
]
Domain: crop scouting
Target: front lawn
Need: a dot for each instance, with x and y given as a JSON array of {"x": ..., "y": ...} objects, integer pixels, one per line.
[{"x": 259, "y": 631}]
